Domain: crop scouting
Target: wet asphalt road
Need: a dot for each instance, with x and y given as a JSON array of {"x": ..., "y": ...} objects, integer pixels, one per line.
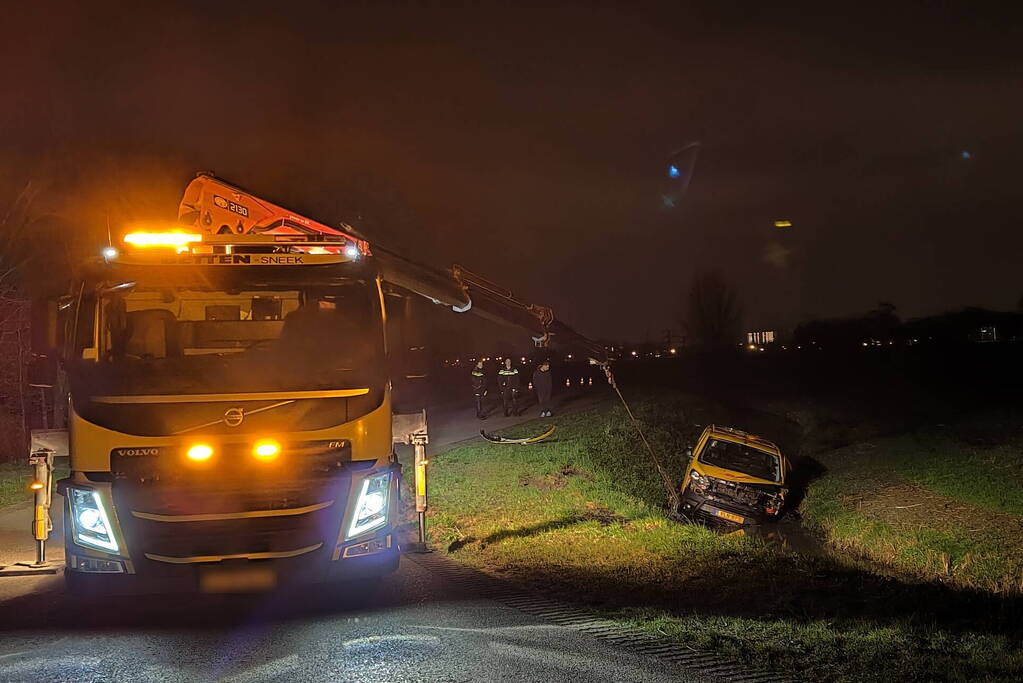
[{"x": 412, "y": 626}]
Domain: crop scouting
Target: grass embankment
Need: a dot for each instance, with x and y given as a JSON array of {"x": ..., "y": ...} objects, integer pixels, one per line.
[
  {"x": 580, "y": 517},
  {"x": 927, "y": 504}
]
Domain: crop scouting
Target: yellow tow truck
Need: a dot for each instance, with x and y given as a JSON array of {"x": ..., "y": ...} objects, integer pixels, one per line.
[{"x": 229, "y": 382}]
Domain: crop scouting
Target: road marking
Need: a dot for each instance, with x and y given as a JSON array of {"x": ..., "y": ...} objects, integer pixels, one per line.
[{"x": 374, "y": 640}]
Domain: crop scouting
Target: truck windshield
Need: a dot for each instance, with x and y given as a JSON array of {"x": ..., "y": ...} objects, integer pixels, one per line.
[
  {"x": 738, "y": 458},
  {"x": 231, "y": 334}
]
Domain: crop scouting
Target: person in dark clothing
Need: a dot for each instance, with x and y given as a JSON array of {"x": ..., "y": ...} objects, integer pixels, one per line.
[
  {"x": 479, "y": 388},
  {"x": 508, "y": 378},
  {"x": 542, "y": 384}
]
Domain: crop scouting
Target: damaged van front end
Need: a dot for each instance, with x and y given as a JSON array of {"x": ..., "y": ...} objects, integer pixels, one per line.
[{"x": 735, "y": 478}]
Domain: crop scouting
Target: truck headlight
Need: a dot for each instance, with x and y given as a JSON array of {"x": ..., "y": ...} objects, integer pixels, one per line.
[
  {"x": 698, "y": 481},
  {"x": 371, "y": 506},
  {"x": 90, "y": 521}
]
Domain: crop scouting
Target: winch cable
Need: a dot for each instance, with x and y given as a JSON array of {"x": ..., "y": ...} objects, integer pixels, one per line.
[{"x": 674, "y": 501}]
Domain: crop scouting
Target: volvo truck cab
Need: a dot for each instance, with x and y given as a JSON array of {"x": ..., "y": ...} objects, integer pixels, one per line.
[{"x": 229, "y": 417}]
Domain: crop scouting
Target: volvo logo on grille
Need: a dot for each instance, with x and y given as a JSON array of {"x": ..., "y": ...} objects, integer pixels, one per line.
[
  {"x": 234, "y": 417},
  {"x": 135, "y": 452}
]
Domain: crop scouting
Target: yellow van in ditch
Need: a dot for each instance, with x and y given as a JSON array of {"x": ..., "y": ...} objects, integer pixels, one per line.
[{"x": 734, "y": 477}]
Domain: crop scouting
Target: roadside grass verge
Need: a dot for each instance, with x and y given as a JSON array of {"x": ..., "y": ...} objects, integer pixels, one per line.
[
  {"x": 987, "y": 477},
  {"x": 857, "y": 650},
  {"x": 581, "y": 517},
  {"x": 928, "y": 505}
]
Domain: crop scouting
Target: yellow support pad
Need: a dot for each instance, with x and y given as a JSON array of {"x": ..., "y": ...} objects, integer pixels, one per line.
[{"x": 40, "y": 525}]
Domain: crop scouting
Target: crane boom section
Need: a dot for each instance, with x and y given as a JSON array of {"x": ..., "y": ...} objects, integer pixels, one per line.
[{"x": 217, "y": 207}]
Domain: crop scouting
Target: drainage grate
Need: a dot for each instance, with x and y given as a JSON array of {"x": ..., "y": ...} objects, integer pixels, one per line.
[{"x": 706, "y": 664}]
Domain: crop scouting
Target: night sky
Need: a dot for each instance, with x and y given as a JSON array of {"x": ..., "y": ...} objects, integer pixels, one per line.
[{"x": 532, "y": 144}]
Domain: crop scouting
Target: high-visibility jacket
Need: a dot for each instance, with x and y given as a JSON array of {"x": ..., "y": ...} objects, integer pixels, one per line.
[
  {"x": 508, "y": 378},
  {"x": 479, "y": 381}
]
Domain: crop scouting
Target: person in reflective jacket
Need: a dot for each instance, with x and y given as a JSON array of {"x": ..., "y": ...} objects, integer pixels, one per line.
[
  {"x": 479, "y": 388},
  {"x": 508, "y": 379}
]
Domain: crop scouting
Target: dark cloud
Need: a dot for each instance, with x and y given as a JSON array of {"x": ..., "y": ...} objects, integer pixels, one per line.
[{"x": 530, "y": 144}]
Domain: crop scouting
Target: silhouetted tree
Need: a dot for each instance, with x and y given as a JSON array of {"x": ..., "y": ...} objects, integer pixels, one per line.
[
  {"x": 882, "y": 322},
  {"x": 712, "y": 315},
  {"x": 22, "y": 265}
]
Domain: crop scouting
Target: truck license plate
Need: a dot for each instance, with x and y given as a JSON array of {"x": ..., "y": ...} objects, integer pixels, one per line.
[
  {"x": 237, "y": 579},
  {"x": 730, "y": 517}
]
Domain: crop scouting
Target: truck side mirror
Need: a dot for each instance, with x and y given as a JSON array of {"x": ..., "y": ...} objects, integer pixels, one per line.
[{"x": 689, "y": 452}]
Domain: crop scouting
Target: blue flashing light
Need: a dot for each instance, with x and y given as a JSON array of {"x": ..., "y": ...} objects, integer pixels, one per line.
[{"x": 673, "y": 171}]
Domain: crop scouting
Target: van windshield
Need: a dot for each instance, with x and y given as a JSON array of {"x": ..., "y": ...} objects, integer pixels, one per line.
[{"x": 739, "y": 458}]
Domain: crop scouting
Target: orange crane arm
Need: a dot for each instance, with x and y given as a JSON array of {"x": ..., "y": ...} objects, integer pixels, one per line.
[{"x": 218, "y": 207}]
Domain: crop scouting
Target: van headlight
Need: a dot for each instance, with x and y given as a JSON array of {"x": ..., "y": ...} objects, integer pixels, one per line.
[
  {"x": 371, "y": 506},
  {"x": 90, "y": 521}
]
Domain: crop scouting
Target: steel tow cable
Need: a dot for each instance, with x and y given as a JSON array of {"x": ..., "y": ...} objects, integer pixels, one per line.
[{"x": 674, "y": 502}]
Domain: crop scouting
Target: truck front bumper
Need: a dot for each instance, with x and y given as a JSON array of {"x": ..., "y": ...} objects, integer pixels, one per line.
[
  {"x": 234, "y": 575},
  {"x": 158, "y": 551}
]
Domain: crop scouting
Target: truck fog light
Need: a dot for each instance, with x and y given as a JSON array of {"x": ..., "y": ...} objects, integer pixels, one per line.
[
  {"x": 200, "y": 452},
  {"x": 368, "y": 548},
  {"x": 266, "y": 450},
  {"x": 95, "y": 565},
  {"x": 90, "y": 520},
  {"x": 371, "y": 506}
]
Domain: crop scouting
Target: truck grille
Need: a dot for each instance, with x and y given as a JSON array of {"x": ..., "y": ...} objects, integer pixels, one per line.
[{"x": 171, "y": 508}]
